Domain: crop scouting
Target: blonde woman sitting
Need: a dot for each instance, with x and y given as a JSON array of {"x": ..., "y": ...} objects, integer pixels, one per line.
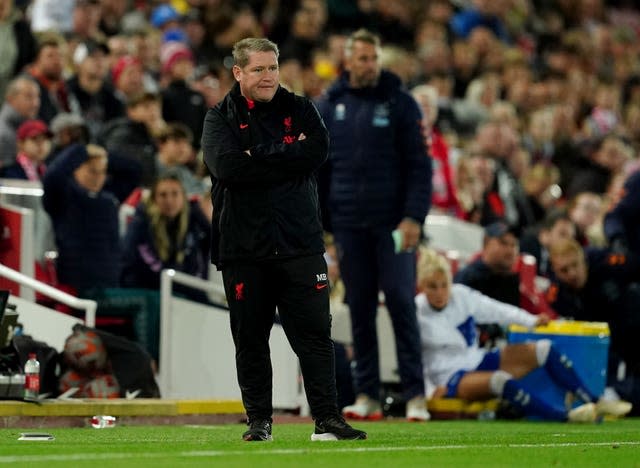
[
  {"x": 167, "y": 231},
  {"x": 456, "y": 367}
]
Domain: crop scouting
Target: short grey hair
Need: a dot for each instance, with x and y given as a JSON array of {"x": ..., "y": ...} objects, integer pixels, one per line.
[
  {"x": 362, "y": 35},
  {"x": 18, "y": 84},
  {"x": 242, "y": 49}
]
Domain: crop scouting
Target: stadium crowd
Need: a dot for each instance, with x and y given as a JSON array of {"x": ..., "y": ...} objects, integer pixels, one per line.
[{"x": 531, "y": 118}]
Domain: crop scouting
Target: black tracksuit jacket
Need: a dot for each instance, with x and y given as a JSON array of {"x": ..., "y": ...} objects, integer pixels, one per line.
[{"x": 265, "y": 206}]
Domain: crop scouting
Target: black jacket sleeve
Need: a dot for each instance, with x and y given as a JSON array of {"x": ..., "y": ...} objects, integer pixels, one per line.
[
  {"x": 270, "y": 162},
  {"x": 301, "y": 157}
]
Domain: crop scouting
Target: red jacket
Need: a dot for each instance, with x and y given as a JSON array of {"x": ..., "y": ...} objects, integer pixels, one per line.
[{"x": 444, "y": 194}]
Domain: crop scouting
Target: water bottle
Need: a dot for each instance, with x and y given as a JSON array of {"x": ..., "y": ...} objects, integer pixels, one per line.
[
  {"x": 103, "y": 421},
  {"x": 32, "y": 377}
]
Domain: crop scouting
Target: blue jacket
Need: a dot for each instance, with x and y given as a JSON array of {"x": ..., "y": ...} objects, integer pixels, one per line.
[
  {"x": 85, "y": 225},
  {"x": 378, "y": 170}
]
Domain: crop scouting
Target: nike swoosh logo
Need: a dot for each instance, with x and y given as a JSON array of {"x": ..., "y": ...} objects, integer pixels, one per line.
[
  {"x": 243, "y": 126},
  {"x": 321, "y": 286},
  {"x": 131, "y": 395}
]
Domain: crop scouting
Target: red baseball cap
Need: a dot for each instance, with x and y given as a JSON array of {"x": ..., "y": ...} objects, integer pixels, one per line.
[
  {"x": 121, "y": 64},
  {"x": 31, "y": 129}
]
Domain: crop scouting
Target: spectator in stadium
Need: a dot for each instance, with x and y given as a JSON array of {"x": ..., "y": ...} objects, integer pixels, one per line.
[
  {"x": 493, "y": 272},
  {"x": 21, "y": 103},
  {"x": 165, "y": 17},
  {"x": 89, "y": 94},
  {"x": 47, "y": 70},
  {"x": 86, "y": 19},
  {"x": 481, "y": 14},
  {"x": 505, "y": 200},
  {"x": 557, "y": 225},
  {"x": 84, "y": 217},
  {"x": 112, "y": 13},
  {"x": 167, "y": 231},
  {"x": 586, "y": 211},
  {"x": 500, "y": 273},
  {"x": 474, "y": 176},
  {"x": 180, "y": 102},
  {"x": 599, "y": 165},
  {"x": 443, "y": 197},
  {"x": 598, "y": 284},
  {"x": 538, "y": 136},
  {"x": 18, "y": 47},
  {"x": 262, "y": 146},
  {"x": 119, "y": 46},
  {"x": 456, "y": 367},
  {"x": 622, "y": 222},
  {"x": 195, "y": 32},
  {"x": 372, "y": 185},
  {"x": 306, "y": 31},
  {"x": 34, "y": 144},
  {"x": 127, "y": 77},
  {"x": 540, "y": 183},
  {"x": 213, "y": 82},
  {"x": 133, "y": 136},
  {"x": 67, "y": 129},
  {"x": 175, "y": 153},
  {"x": 123, "y": 174}
]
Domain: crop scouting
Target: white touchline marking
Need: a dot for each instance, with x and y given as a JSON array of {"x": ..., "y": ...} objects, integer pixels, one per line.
[{"x": 301, "y": 451}]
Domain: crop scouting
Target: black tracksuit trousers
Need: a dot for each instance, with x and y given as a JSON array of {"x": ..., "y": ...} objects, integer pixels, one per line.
[{"x": 299, "y": 289}]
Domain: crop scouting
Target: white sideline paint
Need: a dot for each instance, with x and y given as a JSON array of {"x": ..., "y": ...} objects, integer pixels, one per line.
[{"x": 301, "y": 451}]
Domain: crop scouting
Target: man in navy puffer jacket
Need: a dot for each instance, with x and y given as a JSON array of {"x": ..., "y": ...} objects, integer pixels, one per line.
[{"x": 377, "y": 181}]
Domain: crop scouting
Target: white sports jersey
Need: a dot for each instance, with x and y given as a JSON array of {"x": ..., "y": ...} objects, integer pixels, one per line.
[{"x": 449, "y": 336}]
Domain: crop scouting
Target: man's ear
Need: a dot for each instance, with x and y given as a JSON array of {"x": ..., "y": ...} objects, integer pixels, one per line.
[{"x": 237, "y": 71}]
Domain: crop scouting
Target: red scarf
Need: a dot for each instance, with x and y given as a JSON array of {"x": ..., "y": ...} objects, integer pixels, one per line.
[{"x": 34, "y": 172}]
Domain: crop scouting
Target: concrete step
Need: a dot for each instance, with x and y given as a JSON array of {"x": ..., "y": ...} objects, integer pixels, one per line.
[{"x": 77, "y": 412}]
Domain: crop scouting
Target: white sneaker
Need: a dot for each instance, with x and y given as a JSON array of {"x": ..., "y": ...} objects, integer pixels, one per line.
[
  {"x": 417, "y": 409},
  {"x": 583, "y": 413},
  {"x": 364, "y": 408},
  {"x": 615, "y": 408}
]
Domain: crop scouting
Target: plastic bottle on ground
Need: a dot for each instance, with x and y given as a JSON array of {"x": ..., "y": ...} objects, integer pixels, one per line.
[{"x": 32, "y": 377}]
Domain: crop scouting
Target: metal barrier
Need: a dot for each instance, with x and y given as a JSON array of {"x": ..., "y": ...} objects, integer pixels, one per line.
[
  {"x": 87, "y": 305},
  {"x": 28, "y": 194}
]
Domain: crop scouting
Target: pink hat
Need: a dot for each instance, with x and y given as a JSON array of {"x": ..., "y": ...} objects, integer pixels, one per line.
[
  {"x": 121, "y": 64},
  {"x": 173, "y": 51},
  {"x": 32, "y": 129}
]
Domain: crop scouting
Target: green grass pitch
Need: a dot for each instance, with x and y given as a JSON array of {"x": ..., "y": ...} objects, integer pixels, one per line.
[{"x": 390, "y": 444}]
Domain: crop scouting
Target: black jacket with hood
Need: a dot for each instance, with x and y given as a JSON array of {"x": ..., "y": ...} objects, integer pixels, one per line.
[{"x": 265, "y": 205}]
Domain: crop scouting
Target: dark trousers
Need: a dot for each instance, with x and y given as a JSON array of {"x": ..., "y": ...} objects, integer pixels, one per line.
[
  {"x": 369, "y": 263},
  {"x": 299, "y": 289}
]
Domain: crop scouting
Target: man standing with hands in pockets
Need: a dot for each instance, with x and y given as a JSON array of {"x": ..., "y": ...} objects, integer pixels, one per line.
[{"x": 262, "y": 146}]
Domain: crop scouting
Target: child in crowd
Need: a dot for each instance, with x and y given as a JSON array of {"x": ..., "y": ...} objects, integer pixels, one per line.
[
  {"x": 34, "y": 144},
  {"x": 175, "y": 151}
]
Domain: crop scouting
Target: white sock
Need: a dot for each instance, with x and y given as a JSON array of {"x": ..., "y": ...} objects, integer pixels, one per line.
[
  {"x": 542, "y": 351},
  {"x": 498, "y": 380}
]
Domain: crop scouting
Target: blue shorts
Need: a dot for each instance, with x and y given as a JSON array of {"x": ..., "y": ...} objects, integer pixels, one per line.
[{"x": 490, "y": 362}]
